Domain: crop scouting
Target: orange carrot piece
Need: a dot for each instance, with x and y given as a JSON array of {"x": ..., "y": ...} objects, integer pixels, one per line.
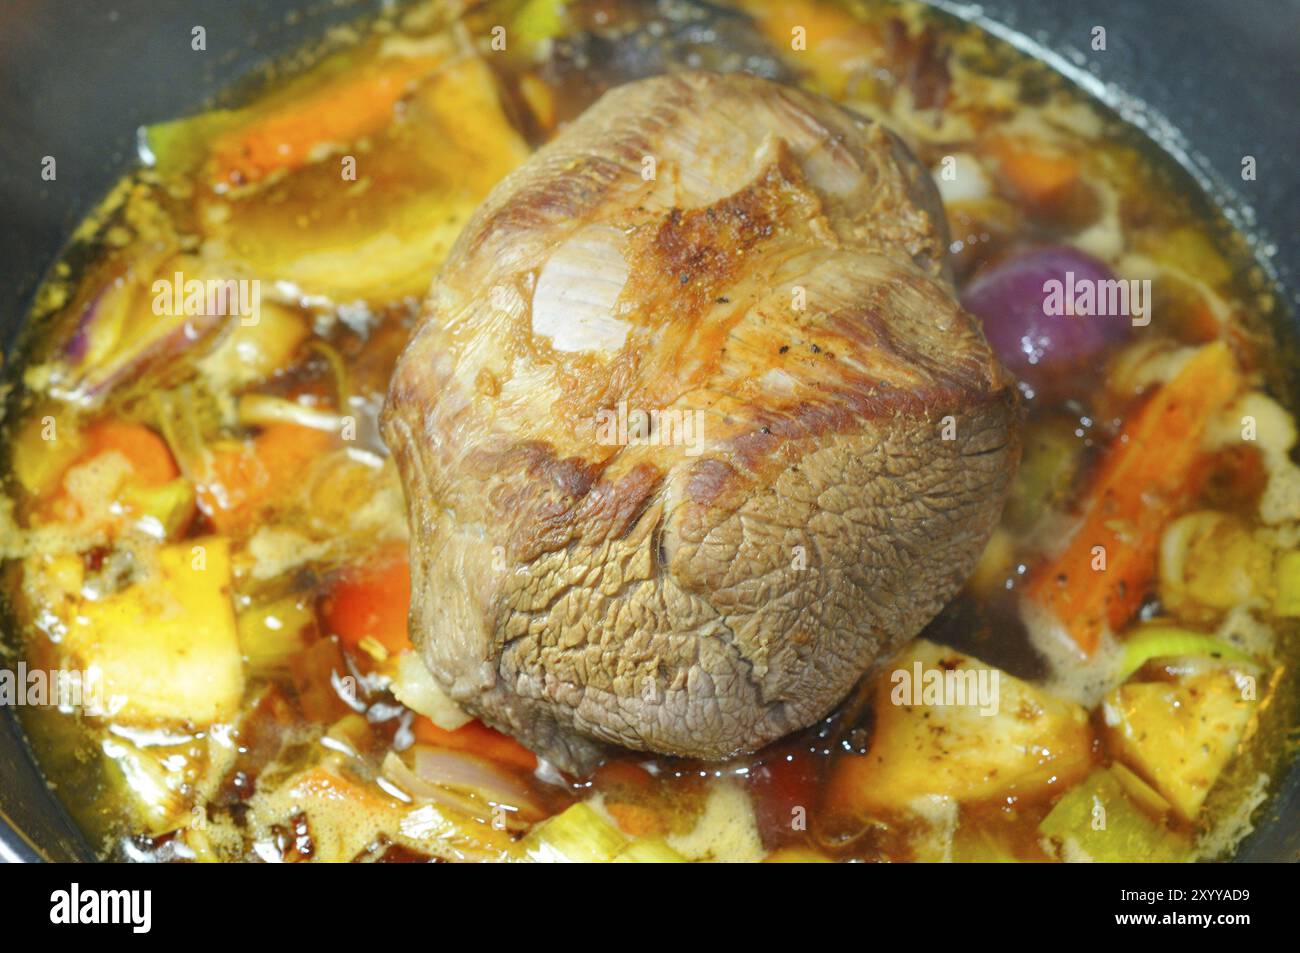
[
  {"x": 1036, "y": 175},
  {"x": 337, "y": 113},
  {"x": 240, "y": 481},
  {"x": 372, "y": 602},
  {"x": 151, "y": 462},
  {"x": 1148, "y": 476},
  {"x": 476, "y": 738}
]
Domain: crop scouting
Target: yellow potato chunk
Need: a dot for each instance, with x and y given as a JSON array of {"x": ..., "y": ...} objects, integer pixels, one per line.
[
  {"x": 1015, "y": 741},
  {"x": 165, "y": 649},
  {"x": 1179, "y": 736}
]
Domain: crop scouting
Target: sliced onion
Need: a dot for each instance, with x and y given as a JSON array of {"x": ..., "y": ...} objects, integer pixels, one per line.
[{"x": 466, "y": 783}]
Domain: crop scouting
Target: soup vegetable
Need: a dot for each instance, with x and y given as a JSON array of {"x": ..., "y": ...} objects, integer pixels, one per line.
[{"x": 202, "y": 522}]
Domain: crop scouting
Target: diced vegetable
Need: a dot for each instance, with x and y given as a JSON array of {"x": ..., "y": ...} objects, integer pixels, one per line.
[
  {"x": 128, "y": 329},
  {"x": 166, "y": 648},
  {"x": 160, "y": 795},
  {"x": 338, "y": 112},
  {"x": 478, "y": 738},
  {"x": 578, "y": 835},
  {"x": 1143, "y": 794},
  {"x": 1165, "y": 641},
  {"x": 581, "y": 835},
  {"x": 43, "y": 448},
  {"x": 648, "y": 850},
  {"x": 474, "y": 786},
  {"x": 380, "y": 238},
  {"x": 839, "y": 45},
  {"x": 1037, "y": 174},
  {"x": 344, "y": 816},
  {"x": 1287, "y": 604},
  {"x": 1211, "y": 562},
  {"x": 151, "y": 462},
  {"x": 1029, "y": 747},
  {"x": 1046, "y": 349},
  {"x": 796, "y": 855},
  {"x": 1179, "y": 737},
  {"x": 271, "y": 633},
  {"x": 978, "y": 845},
  {"x": 1097, "y": 821},
  {"x": 124, "y": 474},
  {"x": 539, "y": 20},
  {"x": 415, "y": 687},
  {"x": 372, "y": 602},
  {"x": 1142, "y": 484},
  {"x": 241, "y": 479},
  {"x": 163, "y": 512},
  {"x": 252, "y": 352}
]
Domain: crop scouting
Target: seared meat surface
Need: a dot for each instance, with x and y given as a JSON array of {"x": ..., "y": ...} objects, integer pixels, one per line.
[{"x": 826, "y": 442}]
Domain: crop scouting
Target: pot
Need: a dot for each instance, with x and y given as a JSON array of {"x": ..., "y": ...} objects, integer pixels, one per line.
[{"x": 1210, "y": 83}]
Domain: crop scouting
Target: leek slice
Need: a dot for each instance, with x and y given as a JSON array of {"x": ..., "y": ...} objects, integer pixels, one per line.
[
  {"x": 577, "y": 835},
  {"x": 1162, "y": 641}
]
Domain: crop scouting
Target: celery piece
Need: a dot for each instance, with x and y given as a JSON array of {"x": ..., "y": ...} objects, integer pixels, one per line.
[
  {"x": 1287, "y": 603},
  {"x": 577, "y": 835},
  {"x": 649, "y": 850},
  {"x": 540, "y": 20},
  {"x": 1097, "y": 820},
  {"x": 977, "y": 845},
  {"x": 1162, "y": 641},
  {"x": 796, "y": 855}
]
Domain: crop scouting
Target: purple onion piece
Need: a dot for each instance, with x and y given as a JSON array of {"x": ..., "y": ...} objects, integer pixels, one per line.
[{"x": 1037, "y": 346}]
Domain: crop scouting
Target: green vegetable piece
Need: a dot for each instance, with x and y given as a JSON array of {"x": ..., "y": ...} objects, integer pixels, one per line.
[
  {"x": 578, "y": 835},
  {"x": 649, "y": 850},
  {"x": 1161, "y": 641},
  {"x": 1097, "y": 819}
]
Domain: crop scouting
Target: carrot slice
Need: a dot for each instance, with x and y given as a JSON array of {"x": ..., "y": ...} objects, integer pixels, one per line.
[
  {"x": 1147, "y": 477},
  {"x": 151, "y": 462},
  {"x": 337, "y": 113},
  {"x": 372, "y": 602},
  {"x": 476, "y": 738},
  {"x": 1036, "y": 175},
  {"x": 151, "y": 468}
]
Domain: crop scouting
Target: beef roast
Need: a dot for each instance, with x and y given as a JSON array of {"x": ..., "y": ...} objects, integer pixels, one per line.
[{"x": 692, "y": 429}]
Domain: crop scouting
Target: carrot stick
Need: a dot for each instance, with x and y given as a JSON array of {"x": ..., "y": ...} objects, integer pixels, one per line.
[
  {"x": 337, "y": 113},
  {"x": 1145, "y": 480}
]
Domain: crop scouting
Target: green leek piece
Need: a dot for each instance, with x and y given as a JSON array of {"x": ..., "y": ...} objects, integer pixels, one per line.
[
  {"x": 1166, "y": 641},
  {"x": 1097, "y": 818},
  {"x": 578, "y": 835},
  {"x": 649, "y": 850},
  {"x": 1287, "y": 603}
]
